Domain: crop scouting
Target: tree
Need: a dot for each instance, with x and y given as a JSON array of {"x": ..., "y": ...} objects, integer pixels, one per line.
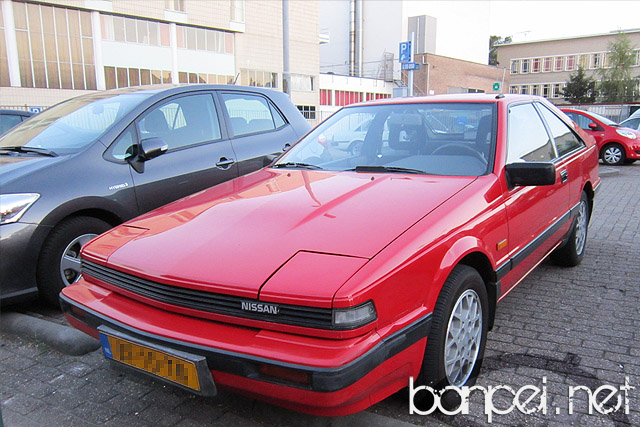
[
  {"x": 580, "y": 88},
  {"x": 617, "y": 84},
  {"x": 494, "y": 41}
]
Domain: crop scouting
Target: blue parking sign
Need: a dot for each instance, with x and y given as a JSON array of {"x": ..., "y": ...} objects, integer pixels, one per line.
[{"x": 405, "y": 51}]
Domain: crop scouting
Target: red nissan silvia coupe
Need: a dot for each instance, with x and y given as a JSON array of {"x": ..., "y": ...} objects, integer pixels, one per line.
[{"x": 323, "y": 282}]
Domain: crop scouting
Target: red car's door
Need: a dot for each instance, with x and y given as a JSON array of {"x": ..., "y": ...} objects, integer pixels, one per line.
[{"x": 538, "y": 215}]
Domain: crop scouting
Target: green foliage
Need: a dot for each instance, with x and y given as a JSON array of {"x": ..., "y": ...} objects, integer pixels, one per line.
[
  {"x": 618, "y": 84},
  {"x": 580, "y": 88},
  {"x": 494, "y": 41}
]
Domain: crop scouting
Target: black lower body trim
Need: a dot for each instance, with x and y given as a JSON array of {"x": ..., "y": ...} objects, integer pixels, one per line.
[
  {"x": 535, "y": 243},
  {"x": 321, "y": 379}
]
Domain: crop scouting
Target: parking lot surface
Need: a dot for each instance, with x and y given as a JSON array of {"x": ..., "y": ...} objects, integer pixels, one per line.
[{"x": 560, "y": 331}]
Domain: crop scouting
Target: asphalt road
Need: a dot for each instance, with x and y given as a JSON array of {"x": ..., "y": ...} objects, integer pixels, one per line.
[{"x": 558, "y": 330}]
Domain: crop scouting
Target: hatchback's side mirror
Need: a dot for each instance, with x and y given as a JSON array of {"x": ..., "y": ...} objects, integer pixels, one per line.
[
  {"x": 530, "y": 174},
  {"x": 593, "y": 126},
  {"x": 150, "y": 148}
]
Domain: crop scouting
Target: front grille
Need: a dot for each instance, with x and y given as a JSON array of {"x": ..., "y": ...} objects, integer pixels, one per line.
[{"x": 310, "y": 317}]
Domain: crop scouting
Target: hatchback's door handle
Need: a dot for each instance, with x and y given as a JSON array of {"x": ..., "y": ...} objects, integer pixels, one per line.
[
  {"x": 564, "y": 176},
  {"x": 224, "y": 163}
]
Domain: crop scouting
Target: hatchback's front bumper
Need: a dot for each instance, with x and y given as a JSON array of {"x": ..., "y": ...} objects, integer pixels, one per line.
[{"x": 314, "y": 375}]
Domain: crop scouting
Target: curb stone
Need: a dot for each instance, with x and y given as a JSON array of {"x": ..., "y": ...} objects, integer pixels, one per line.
[{"x": 60, "y": 337}]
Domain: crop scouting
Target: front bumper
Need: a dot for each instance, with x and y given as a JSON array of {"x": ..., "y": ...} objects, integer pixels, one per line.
[
  {"x": 18, "y": 262},
  {"x": 330, "y": 377}
]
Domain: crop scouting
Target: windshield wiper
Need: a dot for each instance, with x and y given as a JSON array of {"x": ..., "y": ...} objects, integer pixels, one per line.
[
  {"x": 296, "y": 165},
  {"x": 382, "y": 169},
  {"x": 23, "y": 149}
]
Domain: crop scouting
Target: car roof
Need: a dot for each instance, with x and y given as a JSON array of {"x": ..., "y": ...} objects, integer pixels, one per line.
[
  {"x": 170, "y": 89},
  {"x": 465, "y": 97}
]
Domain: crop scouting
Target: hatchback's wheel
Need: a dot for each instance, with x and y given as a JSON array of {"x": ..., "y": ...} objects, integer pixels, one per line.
[
  {"x": 355, "y": 148},
  {"x": 59, "y": 262},
  {"x": 613, "y": 154},
  {"x": 456, "y": 341},
  {"x": 571, "y": 253}
]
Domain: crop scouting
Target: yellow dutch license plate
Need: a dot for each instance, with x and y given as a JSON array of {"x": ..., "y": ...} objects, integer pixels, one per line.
[{"x": 159, "y": 363}]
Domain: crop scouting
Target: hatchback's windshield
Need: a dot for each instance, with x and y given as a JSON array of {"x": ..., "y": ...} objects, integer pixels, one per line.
[
  {"x": 430, "y": 138},
  {"x": 602, "y": 119},
  {"x": 69, "y": 126}
]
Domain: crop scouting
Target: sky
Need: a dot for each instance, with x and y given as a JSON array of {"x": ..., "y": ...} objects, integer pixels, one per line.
[
  {"x": 464, "y": 27},
  {"x": 538, "y": 20}
]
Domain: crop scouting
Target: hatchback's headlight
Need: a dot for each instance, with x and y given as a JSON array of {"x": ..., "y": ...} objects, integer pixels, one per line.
[
  {"x": 626, "y": 133},
  {"x": 13, "y": 206},
  {"x": 353, "y": 317}
]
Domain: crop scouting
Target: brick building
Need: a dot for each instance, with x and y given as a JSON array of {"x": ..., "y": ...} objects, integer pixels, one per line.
[
  {"x": 543, "y": 67},
  {"x": 440, "y": 75}
]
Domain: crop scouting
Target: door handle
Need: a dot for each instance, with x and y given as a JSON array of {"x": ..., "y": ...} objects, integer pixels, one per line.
[
  {"x": 224, "y": 163},
  {"x": 564, "y": 176}
]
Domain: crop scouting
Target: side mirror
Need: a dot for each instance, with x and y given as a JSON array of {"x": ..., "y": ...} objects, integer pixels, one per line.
[
  {"x": 593, "y": 126},
  {"x": 530, "y": 174},
  {"x": 150, "y": 148},
  {"x": 268, "y": 159}
]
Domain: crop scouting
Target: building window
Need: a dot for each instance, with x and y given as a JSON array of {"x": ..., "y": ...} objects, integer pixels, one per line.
[
  {"x": 4, "y": 60},
  {"x": 571, "y": 63},
  {"x": 117, "y": 77},
  {"x": 547, "y": 65},
  {"x": 117, "y": 28},
  {"x": 301, "y": 82},
  {"x": 535, "y": 90},
  {"x": 545, "y": 90},
  {"x": 308, "y": 111},
  {"x": 237, "y": 10},
  {"x": 515, "y": 65},
  {"x": 55, "y": 47},
  {"x": 525, "y": 66},
  {"x": 536, "y": 65},
  {"x": 325, "y": 97},
  {"x": 346, "y": 97},
  {"x": 258, "y": 78},
  {"x": 559, "y": 63},
  {"x": 637, "y": 57},
  {"x": 596, "y": 60},
  {"x": 524, "y": 89},
  {"x": 177, "y": 5},
  {"x": 204, "y": 39},
  {"x": 557, "y": 91},
  {"x": 583, "y": 61},
  {"x": 513, "y": 89}
]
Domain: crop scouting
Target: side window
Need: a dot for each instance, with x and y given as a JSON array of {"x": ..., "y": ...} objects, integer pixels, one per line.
[
  {"x": 633, "y": 124},
  {"x": 565, "y": 139},
  {"x": 124, "y": 147},
  {"x": 528, "y": 140},
  {"x": 249, "y": 113},
  {"x": 182, "y": 122},
  {"x": 581, "y": 120},
  {"x": 7, "y": 121}
]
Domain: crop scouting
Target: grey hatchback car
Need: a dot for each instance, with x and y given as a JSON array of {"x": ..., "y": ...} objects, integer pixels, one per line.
[{"x": 87, "y": 164}]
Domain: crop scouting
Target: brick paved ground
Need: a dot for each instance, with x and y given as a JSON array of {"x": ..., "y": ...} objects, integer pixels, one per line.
[{"x": 574, "y": 327}]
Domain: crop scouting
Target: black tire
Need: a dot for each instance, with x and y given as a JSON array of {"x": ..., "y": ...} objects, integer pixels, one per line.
[
  {"x": 629, "y": 161},
  {"x": 613, "y": 154},
  {"x": 76, "y": 230},
  {"x": 464, "y": 282},
  {"x": 571, "y": 253}
]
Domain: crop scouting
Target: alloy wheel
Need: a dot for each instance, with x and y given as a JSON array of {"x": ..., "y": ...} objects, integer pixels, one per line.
[
  {"x": 463, "y": 338},
  {"x": 70, "y": 261}
]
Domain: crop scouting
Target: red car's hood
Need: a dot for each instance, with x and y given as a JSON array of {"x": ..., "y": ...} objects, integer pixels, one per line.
[{"x": 233, "y": 237}]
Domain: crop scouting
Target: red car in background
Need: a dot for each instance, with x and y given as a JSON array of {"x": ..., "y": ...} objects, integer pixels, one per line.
[
  {"x": 323, "y": 283},
  {"x": 617, "y": 144}
]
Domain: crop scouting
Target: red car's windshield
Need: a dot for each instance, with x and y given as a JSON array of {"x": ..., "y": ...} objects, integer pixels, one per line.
[{"x": 454, "y": 139}]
